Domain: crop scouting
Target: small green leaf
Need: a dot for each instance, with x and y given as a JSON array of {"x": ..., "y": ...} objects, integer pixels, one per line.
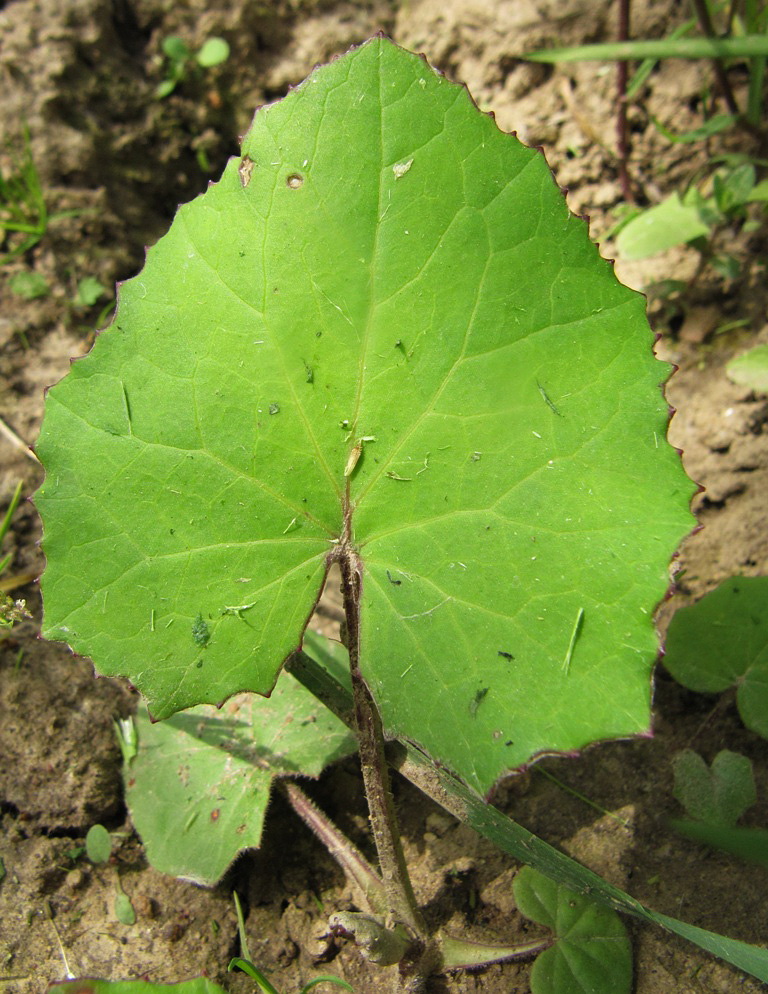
[
  {"x": 98, "y": 844},
  {"x": 166, "y": 88},
  {"x": 199, "y": 786},
  {"x": 732, "y": 188},
  {"x": 592, "y": 952},
  {"x": 723, "y": 640},
  {"x": 661, "y": 227},
  {"x": 30, "y": 286},
  {"x": 124, "y": 911},
  {"x": 751, "y": 369},
  {"x": 213, "y": 53},
  {"x": 175, "y": 48},
  {"x": 200, "y": 985},
  {"x": 89, "y": 292},
  {"x": 727, "y": 266},
  {"x": 759, "y": 192},
  {"x": 719, "y": 795}
]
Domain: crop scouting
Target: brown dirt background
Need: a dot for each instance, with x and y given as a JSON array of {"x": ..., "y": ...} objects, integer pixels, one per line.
[{"x": 82, "y": 75}]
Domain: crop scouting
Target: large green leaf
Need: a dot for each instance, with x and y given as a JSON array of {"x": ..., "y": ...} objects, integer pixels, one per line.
[
  {"x": 385, "y": 294},
  {"x": 199, "y": 786}
]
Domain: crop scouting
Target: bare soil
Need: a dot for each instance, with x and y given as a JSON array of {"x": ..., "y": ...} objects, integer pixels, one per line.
[{"x": 82, "y": 75}]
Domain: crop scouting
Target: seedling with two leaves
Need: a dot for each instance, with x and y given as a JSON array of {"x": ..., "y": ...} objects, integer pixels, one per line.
[
  {"x": 380, "y": 342},
  {"x": 182, "y": 61}
]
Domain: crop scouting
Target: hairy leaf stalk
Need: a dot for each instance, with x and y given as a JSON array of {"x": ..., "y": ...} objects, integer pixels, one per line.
[{"x": 401, "y": 901}]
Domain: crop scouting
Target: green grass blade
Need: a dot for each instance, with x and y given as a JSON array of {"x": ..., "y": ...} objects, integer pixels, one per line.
[
  {"x": 755, "y": 95},
  {"x": 716, "y": 124},
  {"x": 5, "y": 524},
  {"x": 646, "y": 67},
  {"x": 747, "y": 46},
  {"x": 337, "y": 981},
  {"x": 247, "y": 967}
]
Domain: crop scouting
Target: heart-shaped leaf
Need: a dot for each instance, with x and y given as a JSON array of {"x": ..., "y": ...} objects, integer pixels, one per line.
[
  {"x": 722, "y": 640},
  {"x": 199, "y": 787},
  {"x": 383, "y": 333},
  {"x": 592, "y": 953},
  {"x": 719, "y": 794}
]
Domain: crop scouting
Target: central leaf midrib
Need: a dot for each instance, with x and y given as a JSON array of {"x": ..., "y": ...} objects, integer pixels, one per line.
[{"x": 371, "y": 308}]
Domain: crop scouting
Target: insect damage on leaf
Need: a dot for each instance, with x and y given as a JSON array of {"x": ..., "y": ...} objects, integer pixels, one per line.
[
  {"x": 245, "y": 170},
  {"x": 201, "y": 633}
]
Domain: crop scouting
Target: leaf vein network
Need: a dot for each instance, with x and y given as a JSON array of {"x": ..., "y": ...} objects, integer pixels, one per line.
[
  {"x": 419, "y": 651},
  {"x": 216, "y": 272},
  {"x": 429, "y": 407}
]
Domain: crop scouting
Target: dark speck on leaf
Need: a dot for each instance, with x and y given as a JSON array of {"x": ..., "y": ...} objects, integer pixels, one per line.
[
  {"x": 310, "y": 373},
  {"x": 506, "y": 655},
  {"x": 509, "y": 742},
  {"x": 477, "y": 700},
  {"x": 199, "y": 664},
  {"x": 201, "y": 633},
  {"x": 395, "y": 583}
]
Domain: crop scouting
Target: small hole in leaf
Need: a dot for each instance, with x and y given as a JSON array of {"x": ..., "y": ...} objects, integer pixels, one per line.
[{"x": 294, "y": 181}]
